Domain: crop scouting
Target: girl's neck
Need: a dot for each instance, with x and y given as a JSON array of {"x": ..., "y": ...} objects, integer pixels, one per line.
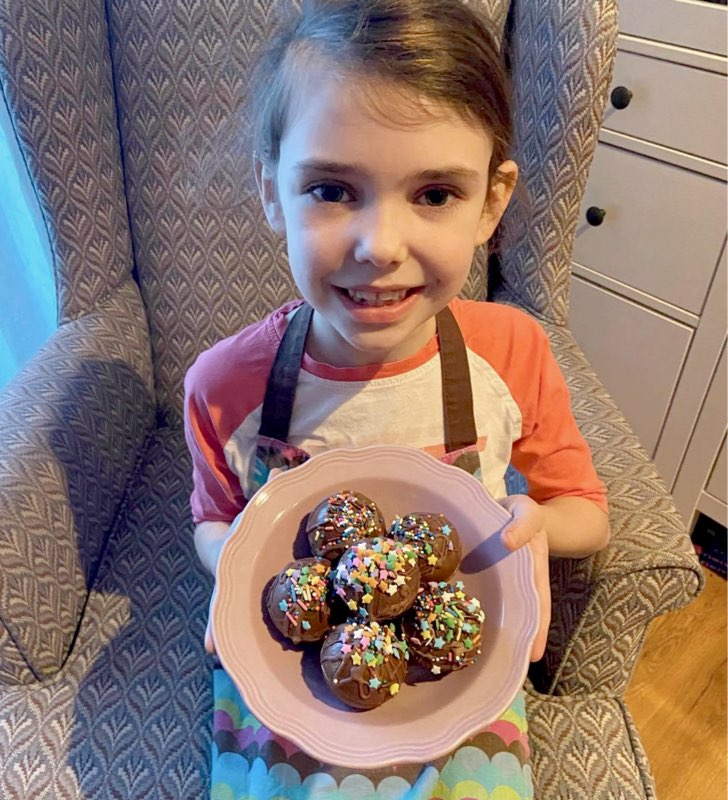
[{"x": 325, "y": 345}]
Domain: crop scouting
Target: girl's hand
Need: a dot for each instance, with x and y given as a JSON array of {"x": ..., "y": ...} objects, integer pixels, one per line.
[
  {"x": 212, "y": 548},
  {"x": 528, "y": 527},
  {"x": 209, "y": 540},
  {"x": 209, "y": 639}
]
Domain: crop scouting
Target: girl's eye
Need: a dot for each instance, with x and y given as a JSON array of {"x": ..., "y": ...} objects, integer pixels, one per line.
[
  {"x": 329, "y": 192},
  {"x": 437, "y": 196}
]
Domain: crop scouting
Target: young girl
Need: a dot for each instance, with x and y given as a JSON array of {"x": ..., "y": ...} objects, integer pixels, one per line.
[{"x": 383, "y": 130}]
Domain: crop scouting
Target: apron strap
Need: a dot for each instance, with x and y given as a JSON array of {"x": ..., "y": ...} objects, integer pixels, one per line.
[
  {"x": 457, "y": 395},
  {"x": 280, "y": 391},
  {"x": 457, "y": 391}
]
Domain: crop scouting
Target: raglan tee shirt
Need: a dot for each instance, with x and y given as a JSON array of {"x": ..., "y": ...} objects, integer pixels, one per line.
[{"x": 520, "y": 403}]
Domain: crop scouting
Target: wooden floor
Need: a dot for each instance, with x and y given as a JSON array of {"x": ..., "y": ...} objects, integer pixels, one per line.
[{"x": 678, "y": 698}]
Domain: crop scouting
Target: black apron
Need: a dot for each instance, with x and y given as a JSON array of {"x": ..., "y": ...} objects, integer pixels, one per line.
[
  {"x": 457, "y": 398},
  {"x": 495, "y": 757}
]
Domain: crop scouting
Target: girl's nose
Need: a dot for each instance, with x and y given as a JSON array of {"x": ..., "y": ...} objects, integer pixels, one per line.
[{"x": 380, "y": 237}]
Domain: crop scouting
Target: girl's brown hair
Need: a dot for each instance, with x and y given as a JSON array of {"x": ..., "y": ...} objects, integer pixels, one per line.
[{"x": 442, "y": 50}]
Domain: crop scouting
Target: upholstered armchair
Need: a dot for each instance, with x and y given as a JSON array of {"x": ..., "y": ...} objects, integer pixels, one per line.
[{"x": 122, "y": 110}]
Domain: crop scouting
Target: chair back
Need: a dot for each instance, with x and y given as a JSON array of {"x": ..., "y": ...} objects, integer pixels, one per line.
[{"x": 128, "y": 113}]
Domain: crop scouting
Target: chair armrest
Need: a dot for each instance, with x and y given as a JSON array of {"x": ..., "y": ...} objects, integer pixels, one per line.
[
  {"x": 72, "y": 424},
  {"x": 604, "y": 604}
]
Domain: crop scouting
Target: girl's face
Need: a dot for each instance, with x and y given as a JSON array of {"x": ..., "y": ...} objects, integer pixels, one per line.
[{"x": 381, "y": 218}]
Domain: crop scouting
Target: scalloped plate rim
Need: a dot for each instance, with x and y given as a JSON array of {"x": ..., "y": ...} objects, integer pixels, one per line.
[{"x": 278, "y": 723}]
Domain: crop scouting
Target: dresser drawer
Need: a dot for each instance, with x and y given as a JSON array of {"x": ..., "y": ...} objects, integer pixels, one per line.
[
  {"x": 673, "y": 105},
  {"x": 663, "y": 230},
  {"x": 637, "y": 353},
  {"x": 697, "y": 25}
]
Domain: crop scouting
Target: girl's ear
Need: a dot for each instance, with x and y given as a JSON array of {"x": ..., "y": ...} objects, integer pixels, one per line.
[
  {"x": 268, "y": 190},
  {"x": 499, "y": 195}
]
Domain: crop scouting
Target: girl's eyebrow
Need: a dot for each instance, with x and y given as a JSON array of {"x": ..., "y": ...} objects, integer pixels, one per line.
[
  {"x": 320, "y": 165},
  {"x": 455, "y": 172},
  {"x": 449, "y": 173}
]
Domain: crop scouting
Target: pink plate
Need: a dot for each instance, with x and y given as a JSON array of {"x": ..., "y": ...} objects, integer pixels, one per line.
[{"x": 282, "y": 684}]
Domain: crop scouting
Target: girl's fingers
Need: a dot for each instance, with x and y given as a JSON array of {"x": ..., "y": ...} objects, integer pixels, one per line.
[
  {"x": 540, "y": 553},
  {"x": 527, "y": 521},
  {"x": 520, "y": 532},
  {"x": 515, "y": 536},
  {"x": 527, "y": 528},
  {"x": 540, "y": 640},
  {"x": 209, "y": 640}
]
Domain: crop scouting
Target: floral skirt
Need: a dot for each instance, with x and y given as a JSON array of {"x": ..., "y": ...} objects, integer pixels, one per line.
[{"x": 249, "y": 762}]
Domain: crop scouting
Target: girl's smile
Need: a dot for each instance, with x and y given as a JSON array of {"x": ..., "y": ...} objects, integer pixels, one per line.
[
  {"x": 378, "y": 306},
  {"x": 382, "y": 214}
]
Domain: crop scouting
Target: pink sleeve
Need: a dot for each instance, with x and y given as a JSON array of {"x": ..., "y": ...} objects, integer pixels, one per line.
[
  {"x": 216, "y": 493},
  {"x": 224, "y": 385},
  {"x": 551, "y": 452}
]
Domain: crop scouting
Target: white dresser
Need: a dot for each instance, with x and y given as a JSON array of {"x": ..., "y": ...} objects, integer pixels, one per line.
[{"x": 648, "y": 294}]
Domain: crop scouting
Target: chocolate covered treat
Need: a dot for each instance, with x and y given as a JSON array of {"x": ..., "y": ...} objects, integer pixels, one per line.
[
  {"x": 297, "y": 600},
  {"x": 377, "y": 578},
  {"x": 435, "y": 539},
  {"x": 364, "y": 663},
  {"x": 341, "y": 520},
  {"x": 444, "y": 628}
]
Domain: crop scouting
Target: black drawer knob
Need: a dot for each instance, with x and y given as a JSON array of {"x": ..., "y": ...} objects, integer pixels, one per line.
[
  {"x": 621, "y": 97},
  {"x": 595, "y": 216}
]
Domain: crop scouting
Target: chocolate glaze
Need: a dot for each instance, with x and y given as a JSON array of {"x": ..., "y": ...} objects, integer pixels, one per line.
[
  {"x": 340, "y": 520},
  {"x": 380, "y": 669},
  {"x": 444, "y": 628},
  {"x": 435, "y": 539},
  {"x": 297, "y": 604},
  {"x": 383, "y": 585}
]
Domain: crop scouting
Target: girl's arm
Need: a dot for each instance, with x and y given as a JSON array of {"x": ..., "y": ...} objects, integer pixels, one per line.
[
  {"x": 209, "y": 539},
  {"x": 575, "y": 527},
  {"x": 572, "y": 527},
  {"x": 210, "y": 536}
]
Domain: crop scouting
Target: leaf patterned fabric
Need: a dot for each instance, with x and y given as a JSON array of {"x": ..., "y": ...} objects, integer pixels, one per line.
[{"x": 120, "y": 111}]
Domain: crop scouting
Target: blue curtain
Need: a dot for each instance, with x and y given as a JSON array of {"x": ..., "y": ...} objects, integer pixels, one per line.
[{"x": 28, "y": 310}]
